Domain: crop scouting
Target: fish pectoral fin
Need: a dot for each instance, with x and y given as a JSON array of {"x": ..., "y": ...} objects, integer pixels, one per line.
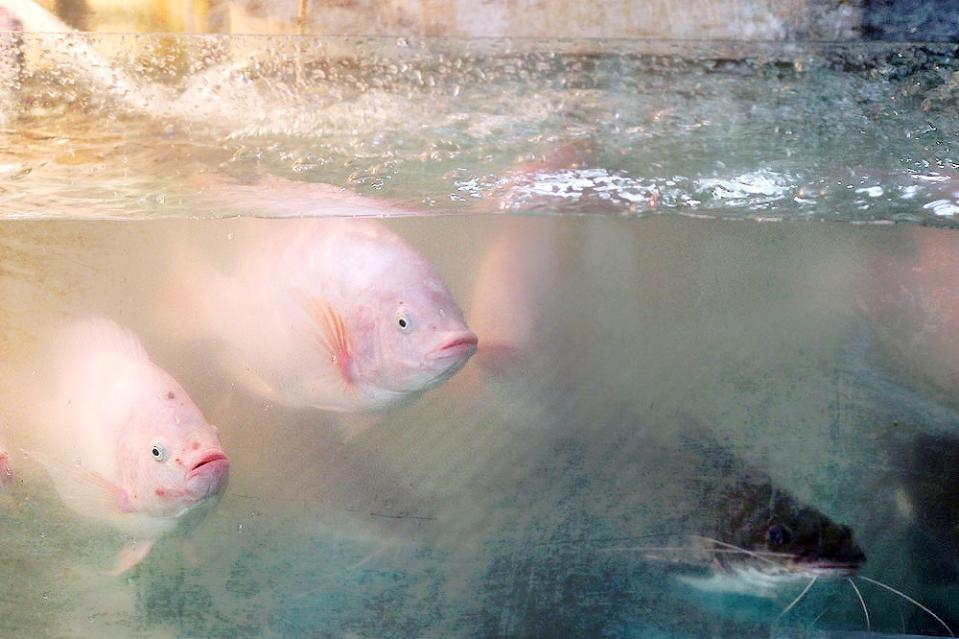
[
  {"x": 331, "y": 334},
  {"x": 120, "y": 496},
  {"x": 131, "y": 555},
  {"x": 83, "y": 489}
]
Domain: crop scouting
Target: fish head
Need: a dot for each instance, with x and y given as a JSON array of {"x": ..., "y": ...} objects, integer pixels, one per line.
[
  {"x": 170, "y": 458},
  {"x": 409, "y": 333},
  {"x": 423, "y": 339},
  {"x": 777, "y": 539}
]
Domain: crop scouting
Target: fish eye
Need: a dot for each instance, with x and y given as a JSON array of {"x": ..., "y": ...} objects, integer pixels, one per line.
[
  {"x": 403, "y": 321},
  {"x": 158, "y": 452},
  {"x": 777, "y": 534}
]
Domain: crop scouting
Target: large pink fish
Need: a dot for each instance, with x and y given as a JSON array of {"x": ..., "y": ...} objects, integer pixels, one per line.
[
  {"x": 121, "y": 439},
  {"x": 909, "y": 292},
  {"x": 520, "y": 272},
  {"x": 515, "y": 280},
  {"x": 332, "y": 313}
]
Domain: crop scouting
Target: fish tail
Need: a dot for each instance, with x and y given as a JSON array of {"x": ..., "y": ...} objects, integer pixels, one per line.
[{"x": 568, "y": 156}]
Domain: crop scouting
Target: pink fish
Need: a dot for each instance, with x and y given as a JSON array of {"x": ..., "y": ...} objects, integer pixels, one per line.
[
  {"x": 279, "y": 197},
  {"x": 121, "y": 439},
  {"x": 909, "y": 293},
  {"x": 332, "y": 313},
  {"x": 512, "y": 291},
  {"x": 520, "y": 271}
]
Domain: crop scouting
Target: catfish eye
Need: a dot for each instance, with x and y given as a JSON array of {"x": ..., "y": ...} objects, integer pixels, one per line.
[
  {"x": 777, "y": 534},
  {"x": 158, "y": 452},
  {"x": 403, "y": 321}
]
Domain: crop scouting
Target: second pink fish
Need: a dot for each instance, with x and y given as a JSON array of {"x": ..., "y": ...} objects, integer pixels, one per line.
[{"x": 335, "y": 314}]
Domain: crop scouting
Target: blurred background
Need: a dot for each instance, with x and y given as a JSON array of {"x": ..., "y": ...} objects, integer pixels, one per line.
[{"x": 913, "y": 20}]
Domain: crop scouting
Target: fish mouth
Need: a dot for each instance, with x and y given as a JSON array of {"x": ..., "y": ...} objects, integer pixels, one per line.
[
  {"x": 794, "y": 569},
  {"x": 461, "y": 345},
  {"x": 210, "y": 462},
  {"x": 764, "y": 576}
]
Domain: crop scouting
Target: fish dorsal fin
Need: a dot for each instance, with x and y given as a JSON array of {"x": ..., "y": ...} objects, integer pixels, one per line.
[
  {"x": 82, "y": 489},
  {"x": 331, "y": 335},
  {"x": 103, "y": 335},
  {"x": 722, "y": 455}
]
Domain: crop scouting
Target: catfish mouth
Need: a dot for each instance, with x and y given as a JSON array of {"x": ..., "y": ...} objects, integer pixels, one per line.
[
  {"x": 460, "y": 345},
  {"x": 844, "y": 561},
  {"x": 805, "y": 562},
  {"x": 765, "y": 575},
  {"x": 213, "y": 461},
  {"x": 790, "y": 567}
]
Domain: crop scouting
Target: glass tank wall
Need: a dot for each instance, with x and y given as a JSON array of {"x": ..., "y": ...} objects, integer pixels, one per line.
[{"x": 499, "y": 338}]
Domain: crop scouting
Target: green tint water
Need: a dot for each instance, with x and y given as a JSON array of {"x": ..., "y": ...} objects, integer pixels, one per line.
[
  {"x": 501, "y": 505},
  {"x": 496, "y": 505}
]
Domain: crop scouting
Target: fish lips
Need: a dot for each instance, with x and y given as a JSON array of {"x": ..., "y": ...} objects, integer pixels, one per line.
[
  {"x": 458, "y": 346},
  {"x": 211, "y": 469}
]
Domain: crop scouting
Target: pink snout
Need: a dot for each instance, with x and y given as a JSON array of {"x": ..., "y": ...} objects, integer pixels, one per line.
[{"x": 459, "y": 345}]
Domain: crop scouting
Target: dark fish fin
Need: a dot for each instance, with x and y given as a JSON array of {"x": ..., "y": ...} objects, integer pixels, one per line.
[{"x": 696, "y": 435}]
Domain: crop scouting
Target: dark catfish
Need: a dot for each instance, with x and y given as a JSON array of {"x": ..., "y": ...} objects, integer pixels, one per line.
[{"x": 737, "y": 530}]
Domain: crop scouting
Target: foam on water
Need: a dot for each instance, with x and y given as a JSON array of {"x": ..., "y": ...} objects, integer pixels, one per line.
[{"x": 791, "y": 131}]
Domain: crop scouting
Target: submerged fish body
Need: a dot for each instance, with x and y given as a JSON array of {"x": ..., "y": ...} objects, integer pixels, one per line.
[
  {"x": 764, "y": 539},
  {"x": 925, "y": 491},
  {"x": 520, "y": 271},
  {"x": 335, "y": 314},
  {"x": 745, "y": 534},
  {"x": 121, "y": 440},
  {"x": 909, "y": 296},
  {"x": 930, "y": 486},
  {"x": 513, "y": 286}
]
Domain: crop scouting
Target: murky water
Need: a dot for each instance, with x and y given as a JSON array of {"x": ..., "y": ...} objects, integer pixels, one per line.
[{"x": 671, "y": 355}]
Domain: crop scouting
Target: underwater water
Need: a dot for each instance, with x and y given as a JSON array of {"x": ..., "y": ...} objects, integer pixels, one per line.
[{"x": 727, "y": 315}]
